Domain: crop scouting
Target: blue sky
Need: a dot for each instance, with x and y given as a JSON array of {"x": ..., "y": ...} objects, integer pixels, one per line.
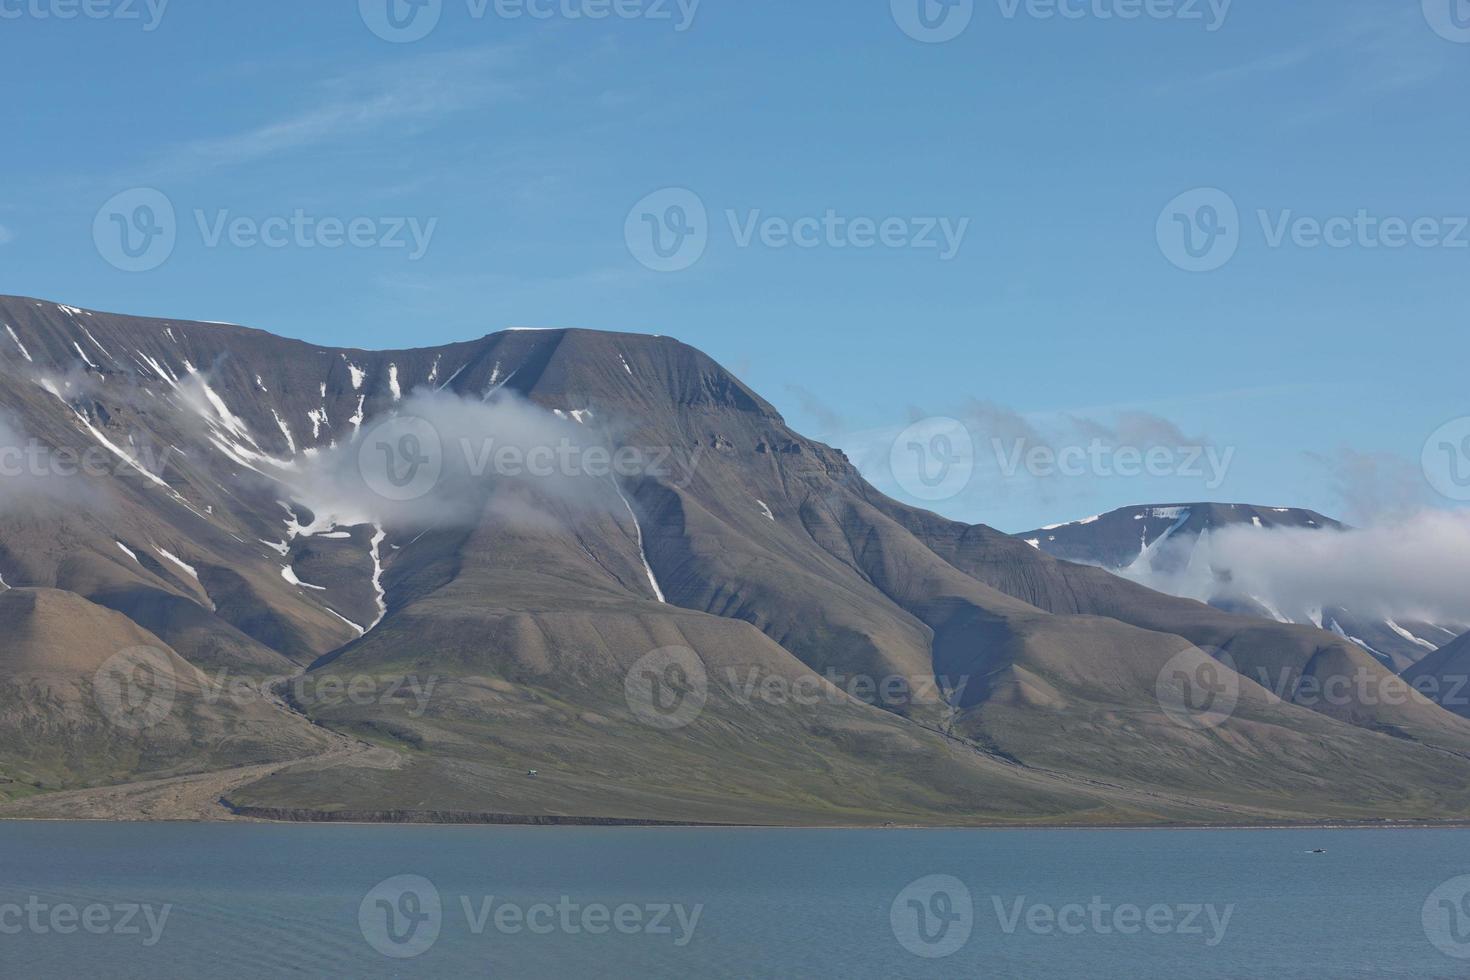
[{"x": 1055, "y": 144}]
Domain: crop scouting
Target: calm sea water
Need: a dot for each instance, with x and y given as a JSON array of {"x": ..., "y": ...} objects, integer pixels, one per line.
[{"x": 208, "y": 901}]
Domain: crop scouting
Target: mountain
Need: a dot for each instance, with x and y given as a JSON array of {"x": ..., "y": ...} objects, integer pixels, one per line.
[
  {"x": 1444, "y": 676},
  {"x": 66, "y": 718},
  {"x": 1164, "y": 546},
  {"x": 425, "y": 554},
  {"x": 1123, "y": 537}
]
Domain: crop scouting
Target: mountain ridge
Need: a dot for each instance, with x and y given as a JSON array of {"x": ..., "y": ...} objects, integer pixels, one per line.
[
  {"x": 770, "y": 557},
  {"x": 1163, "y": 546}
]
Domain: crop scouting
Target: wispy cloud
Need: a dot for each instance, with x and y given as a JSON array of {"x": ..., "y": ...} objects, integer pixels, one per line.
[
  {"x": 1266, "y": 66},
  {"x": 1369, "y": 49},
  {"x": 827, "y": 417},
  {"x": 6, "y": 236},
  {"x": 1374, "y": 486},
  {"x": 413, "y": 95},
  {"x": 1003, "y": 443}
]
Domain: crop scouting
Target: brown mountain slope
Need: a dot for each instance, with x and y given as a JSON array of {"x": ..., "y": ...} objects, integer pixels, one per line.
[
  {"x": 856, "y": 659},
  {"x": 87, "y": 697},
  {"x": 1444, "y": 676}
]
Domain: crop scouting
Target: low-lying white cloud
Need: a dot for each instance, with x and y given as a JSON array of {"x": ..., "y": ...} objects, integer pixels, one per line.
[
  {"x": 453, "y": 453},
  {"x": 1406, "y": 568}
]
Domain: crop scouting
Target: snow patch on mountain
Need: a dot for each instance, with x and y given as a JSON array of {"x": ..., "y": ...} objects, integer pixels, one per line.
[{"x": 21, "y": 347}]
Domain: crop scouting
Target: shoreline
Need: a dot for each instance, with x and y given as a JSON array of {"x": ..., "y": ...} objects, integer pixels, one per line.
[{"x": 255, "y": 817}]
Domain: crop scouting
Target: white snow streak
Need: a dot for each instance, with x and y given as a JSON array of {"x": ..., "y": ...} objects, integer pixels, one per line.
[
  {"x": 289, "y": 574},
  {"x": 23, "y": 352},
  {"x": 359, "y": 629},
  {"x": 642, "y": 552},
  {"x": 114, "y": 449},
  {"x": 94, "y": 340},
  {"x": 318, "y": 419},
  {"x": 378, "y": 538},
  {"x": 285, "y": 431},
  {"x": 1410, "y": 636},
  {"x": 179, "y": 562}
]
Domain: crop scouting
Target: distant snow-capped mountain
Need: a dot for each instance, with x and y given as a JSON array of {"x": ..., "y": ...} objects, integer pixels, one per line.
[{"x": 1165, "y": 546}]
